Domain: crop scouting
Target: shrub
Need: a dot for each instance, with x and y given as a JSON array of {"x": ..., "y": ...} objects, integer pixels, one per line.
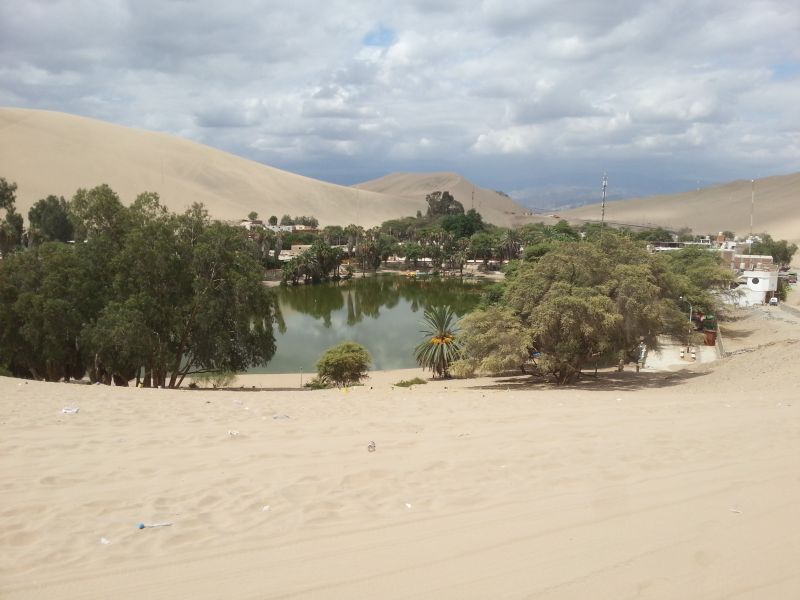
[
  {"x": 410, "y": 382},
  {"x": 344, "y": 364},
  {"x": 215, "y": 379},
  {"x": 317, "y": 384}
]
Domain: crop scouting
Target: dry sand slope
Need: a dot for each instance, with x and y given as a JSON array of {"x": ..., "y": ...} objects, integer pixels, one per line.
[
  {"x": 55, "y": 153},
  {"x": 714, "y": 209},
  {"x": 666, "y": 485},
  {"x": 494, "y": 207}
]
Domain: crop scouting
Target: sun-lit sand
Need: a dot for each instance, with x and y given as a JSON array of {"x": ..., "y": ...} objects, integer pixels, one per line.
[
  {"x": 56, "y": 153},
  {"x": 773, "y": 202},
  {"x": 673, "y": 484}
]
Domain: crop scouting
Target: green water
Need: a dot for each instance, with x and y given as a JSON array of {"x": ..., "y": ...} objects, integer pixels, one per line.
[{"x": 382, "y": 313}]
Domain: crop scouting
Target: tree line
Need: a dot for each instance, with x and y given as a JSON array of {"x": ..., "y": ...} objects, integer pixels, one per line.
[
  {"x": 144, "y": 295},
  {"x": 576, "y": 303}
]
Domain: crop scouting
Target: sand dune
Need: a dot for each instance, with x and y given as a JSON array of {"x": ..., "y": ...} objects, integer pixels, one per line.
[
  {"x": 55, "y": 153},
  {"x": 714, "y": 209},
  {"x": 494, "y": 207},
  {"x": 651, "y": 486}
]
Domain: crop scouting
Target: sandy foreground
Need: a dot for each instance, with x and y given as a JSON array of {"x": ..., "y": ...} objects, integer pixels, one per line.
[{"x": 670, "y": 485}]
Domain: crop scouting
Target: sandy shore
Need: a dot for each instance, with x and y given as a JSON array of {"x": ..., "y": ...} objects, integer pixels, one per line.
[{"x": 657, "y": 485}]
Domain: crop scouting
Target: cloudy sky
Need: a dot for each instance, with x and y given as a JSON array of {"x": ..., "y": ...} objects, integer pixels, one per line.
[{"x": 533, "y": 97}]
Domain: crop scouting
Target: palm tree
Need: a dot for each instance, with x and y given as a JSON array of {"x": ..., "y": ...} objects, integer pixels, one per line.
[
  {"x": 440, "y": 347},
  {"x": 510, "y": 242}
]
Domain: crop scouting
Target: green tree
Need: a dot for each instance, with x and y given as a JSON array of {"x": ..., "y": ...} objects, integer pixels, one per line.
[
  {"x": 273, "y": 220},
  {"x": 46, "y": 295},
  {"x": 307, "y": 221},
  {"x": 414, "y": 252},
  {"x": 287, "y": 220},
  {"x": 510, "y": 242},
  {"x": 701, "y": 276},
  {"x": 148, "y": 292},
  {"x": 333, "y": 235},
  {"x": 353, "y": 233},
  {"x": 440, "y": 347},
  {"x": 492, "y": 341},
  {"x": 781, "y": 251},
  {"x": 344, "y": 364},
  {"x": 8, "y": 194},
  {"x": 483, "y": 246},
  {"x": 252, "y": 215},
  {"x": 590, "y": 302},
  {"x": 463, "y": 225},
  {"x": 97, "y": 212},
  {"x": 658, "y": 234},
  {"x": 49, "y": 220},
  {"x": 443, "y": 203},
  {"x": 11, "y": 227}
]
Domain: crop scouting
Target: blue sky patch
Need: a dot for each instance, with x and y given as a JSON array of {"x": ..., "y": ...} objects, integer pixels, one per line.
[
  {"x": 380, "y": 36},
  {"x": 785, "y": 70}
]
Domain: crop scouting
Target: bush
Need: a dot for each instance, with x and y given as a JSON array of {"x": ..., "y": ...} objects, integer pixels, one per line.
[
  {"x": 317, "y": 384},
  {"x": 344, "y": 364},
  {"x": 214, "y": 379},
  {"x": 410, "y": 382}
]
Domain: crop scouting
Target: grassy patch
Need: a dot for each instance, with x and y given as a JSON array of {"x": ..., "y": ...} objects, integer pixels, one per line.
[
  {"x": 410, "y": 382},
  {"x": 317, "y": 384}
]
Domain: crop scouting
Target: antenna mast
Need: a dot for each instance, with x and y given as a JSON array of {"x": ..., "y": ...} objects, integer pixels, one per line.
[{"x": 752, "y": 203}]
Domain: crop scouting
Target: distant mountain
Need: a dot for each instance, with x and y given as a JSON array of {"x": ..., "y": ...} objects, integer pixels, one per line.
[
  {"x": 54, "y": 153},
  {"x": 495, "y": 207},
  {"x": 727, "y": 207}
]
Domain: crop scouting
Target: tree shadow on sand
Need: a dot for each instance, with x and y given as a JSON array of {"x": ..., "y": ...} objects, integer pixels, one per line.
[
  {"x": 603, "y": 381},
  {"x": 735, "y": 334}
]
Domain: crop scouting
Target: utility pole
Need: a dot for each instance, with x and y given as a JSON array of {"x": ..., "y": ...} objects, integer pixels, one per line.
[
  {"x": 752, "y": 203},
  {"x": 603, "y": 206}
]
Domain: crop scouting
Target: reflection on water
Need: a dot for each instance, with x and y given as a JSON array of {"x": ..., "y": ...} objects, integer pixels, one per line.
[{"x": 382, "y": 313}]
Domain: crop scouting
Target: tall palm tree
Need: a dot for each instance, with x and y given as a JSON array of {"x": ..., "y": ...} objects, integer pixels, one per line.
[
  {"x": 439, "y": 348},
  {"x": 510, "y": 243}
]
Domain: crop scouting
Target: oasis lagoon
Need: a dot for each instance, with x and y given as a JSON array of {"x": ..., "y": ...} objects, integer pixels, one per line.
[{"x": 383, "y": 313}]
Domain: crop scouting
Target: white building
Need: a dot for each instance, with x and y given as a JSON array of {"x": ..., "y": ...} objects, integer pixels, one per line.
[{"x": 756, "y": 287}]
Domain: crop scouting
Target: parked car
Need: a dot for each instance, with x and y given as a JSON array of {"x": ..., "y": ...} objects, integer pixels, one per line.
[{"x": 773, "y": 301}]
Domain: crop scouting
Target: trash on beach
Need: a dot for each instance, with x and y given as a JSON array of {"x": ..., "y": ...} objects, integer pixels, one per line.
[
  {"x": 735, "y": 510},
  {"x": 265, "y": 508},
  {"x": 153, "y": 525},
  {"x": 70, "y": 410},
  {"x": 233, "y": 432},
  {"x": 105, "y": 541},
  {"x": 280, "y": 417},
  {"x": 371, "y": 447},
  {"x": 408, "y": 505}
]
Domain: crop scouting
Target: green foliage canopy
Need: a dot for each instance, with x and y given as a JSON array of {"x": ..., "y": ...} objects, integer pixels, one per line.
[
  {"x": 49, "y": 220},
  {"x": 492, "y": 341},
  {"x": 344, "y": 364},
  {"x": 148, "y": 293},
  {"x": 440, "y": 348}
]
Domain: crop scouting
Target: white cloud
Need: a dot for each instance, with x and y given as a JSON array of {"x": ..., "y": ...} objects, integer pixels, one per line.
[{"x": 512, "y": 93}]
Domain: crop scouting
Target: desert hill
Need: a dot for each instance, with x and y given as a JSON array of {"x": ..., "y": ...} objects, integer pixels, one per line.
[
  {"x": 713, "y": 209},
  {"x": 495, "y": 207},
  {"x": 55, "y": 153}
]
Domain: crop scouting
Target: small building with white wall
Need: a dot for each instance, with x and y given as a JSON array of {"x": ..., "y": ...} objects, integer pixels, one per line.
[{"x": 756, "y": 287}]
